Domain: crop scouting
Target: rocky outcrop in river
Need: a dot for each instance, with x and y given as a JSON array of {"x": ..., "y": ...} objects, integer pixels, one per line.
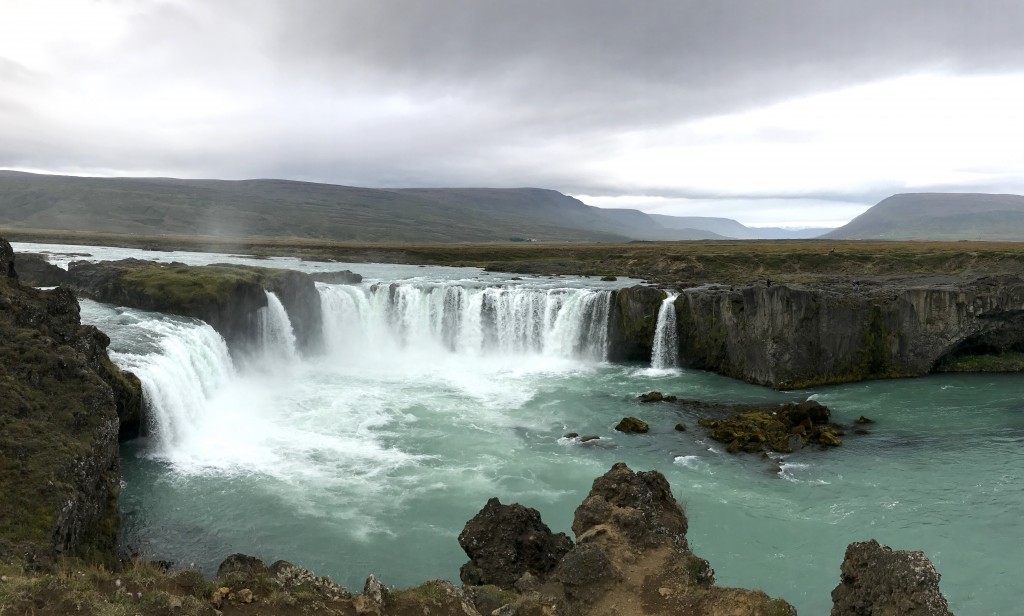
[{"x": 62, "y": 407}]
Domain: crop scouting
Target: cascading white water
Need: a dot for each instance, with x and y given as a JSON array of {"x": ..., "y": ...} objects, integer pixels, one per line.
[
  {"x": 276, "y": 337},
  {"x": 190, "y": 364},
  {"x": 665, "y": 354},
  {"x": 563, "y": 323}
]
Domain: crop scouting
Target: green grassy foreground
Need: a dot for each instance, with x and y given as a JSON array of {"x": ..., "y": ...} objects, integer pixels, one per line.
[{"x": 666, "y": 263}]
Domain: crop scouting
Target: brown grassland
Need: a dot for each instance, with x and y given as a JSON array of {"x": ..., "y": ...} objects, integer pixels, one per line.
[{"x": 666, "y": 263}]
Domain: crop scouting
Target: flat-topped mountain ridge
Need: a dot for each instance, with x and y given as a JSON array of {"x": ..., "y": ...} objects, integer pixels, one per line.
[{"x": 270, "y": 208}]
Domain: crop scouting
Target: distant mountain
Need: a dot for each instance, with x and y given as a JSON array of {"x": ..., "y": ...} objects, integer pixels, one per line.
[
  {"x": 729, "y": 228},
  {"x": 939, "y": 216},
  {"x": 287, "y": 209}
]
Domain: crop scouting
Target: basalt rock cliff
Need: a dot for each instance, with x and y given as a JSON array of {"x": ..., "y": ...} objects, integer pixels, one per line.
[
  {"x": 632, "y": 321},
  {"x": 228, "y": 297},
  {"x": 62, "y": 407},
  {"x": 793, "y": 336}
]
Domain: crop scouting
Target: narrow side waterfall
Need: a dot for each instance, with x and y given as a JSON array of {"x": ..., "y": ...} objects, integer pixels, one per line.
[
  {"x": 276, "y": 337},
  {"x": 190, "y": 364},
  {"x": 665, "y": 354},
  {"x": 564, "y": 323}
]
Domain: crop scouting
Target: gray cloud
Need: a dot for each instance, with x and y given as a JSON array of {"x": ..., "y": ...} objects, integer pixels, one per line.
[{"x": 460, "y": 92}]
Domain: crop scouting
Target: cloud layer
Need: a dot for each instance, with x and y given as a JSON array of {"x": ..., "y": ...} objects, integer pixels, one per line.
[{"x": 813, "y": 101}]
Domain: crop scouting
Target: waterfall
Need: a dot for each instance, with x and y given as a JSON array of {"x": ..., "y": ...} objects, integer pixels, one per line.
[
  {"x": 190, "y": 365},
  {"x": 445, "y": 317},
  {"x": 276, "y": 338},
  {"x": 665, "y": 354}
]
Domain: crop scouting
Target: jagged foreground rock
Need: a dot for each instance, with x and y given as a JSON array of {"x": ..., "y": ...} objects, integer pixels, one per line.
[
  {"x": 630, "y": 557},
  {"x": 878, "y": 581},
  {"x": 504, "y": 542}
]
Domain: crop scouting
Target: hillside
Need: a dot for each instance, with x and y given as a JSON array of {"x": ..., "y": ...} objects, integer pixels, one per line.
[
  {"x": 939, "y": 216},
  {"x": 280, "y": 209}
]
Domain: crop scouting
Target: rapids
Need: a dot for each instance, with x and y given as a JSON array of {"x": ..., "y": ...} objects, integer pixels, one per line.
[{"x": 439, "y": 388}]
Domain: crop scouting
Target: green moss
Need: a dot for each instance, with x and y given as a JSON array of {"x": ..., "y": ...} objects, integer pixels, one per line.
[
  {"x": 184, "y": 285},
  {"x": 999, "y": 362}
]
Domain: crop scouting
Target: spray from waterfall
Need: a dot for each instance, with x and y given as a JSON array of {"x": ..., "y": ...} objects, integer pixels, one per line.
[{"x": 665, "y": 354}]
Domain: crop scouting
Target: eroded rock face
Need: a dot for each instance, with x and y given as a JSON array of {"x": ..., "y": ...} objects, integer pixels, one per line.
[
  {"x": 638, "y": 505},
  {"x": 7, "y": 261},
  {"x": 879, "y": 581},
  {"x": 632, "y": 323},
  {"x": 631, "y": 558},
  {"x": 505, "y": 541},
  {"x": 61, "y": 408},
  {"x": 34, "y": 270},
  {"x": 789, "y": 337}
]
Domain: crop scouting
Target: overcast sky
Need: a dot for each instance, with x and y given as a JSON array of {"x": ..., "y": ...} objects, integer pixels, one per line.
[{"x": 785, "y": 112}]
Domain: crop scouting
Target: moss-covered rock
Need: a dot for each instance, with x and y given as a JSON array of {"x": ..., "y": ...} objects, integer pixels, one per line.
[
  {"x": 780, "y": 429},
  {"x": 60, "y": 414},
  {"x": 632, "y": 424},
  {"x": 656, "y": 396},
  {"x": 225, "y": 296}
]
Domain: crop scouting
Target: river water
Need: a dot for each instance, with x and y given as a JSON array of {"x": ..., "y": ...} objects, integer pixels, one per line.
[{"x": 451, "y": 386}]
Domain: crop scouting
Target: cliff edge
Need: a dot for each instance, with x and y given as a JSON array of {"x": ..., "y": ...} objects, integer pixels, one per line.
[{"x": 61, "y": 410}]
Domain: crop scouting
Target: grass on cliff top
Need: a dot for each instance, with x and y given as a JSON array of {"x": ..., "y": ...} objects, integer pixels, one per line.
[
  {"x": 731, "y": 261},
  {"x": 185, "y": 285}
]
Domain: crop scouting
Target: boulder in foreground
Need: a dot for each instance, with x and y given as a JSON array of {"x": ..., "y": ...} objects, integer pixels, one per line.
[
  {"x": 879, "y": 581},
  {"x": 504, "y": 542},
  {"x": 631, "y": 558}
]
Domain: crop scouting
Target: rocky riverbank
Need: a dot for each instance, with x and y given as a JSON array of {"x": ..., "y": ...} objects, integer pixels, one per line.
[{"x": 62, "y": 408}]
